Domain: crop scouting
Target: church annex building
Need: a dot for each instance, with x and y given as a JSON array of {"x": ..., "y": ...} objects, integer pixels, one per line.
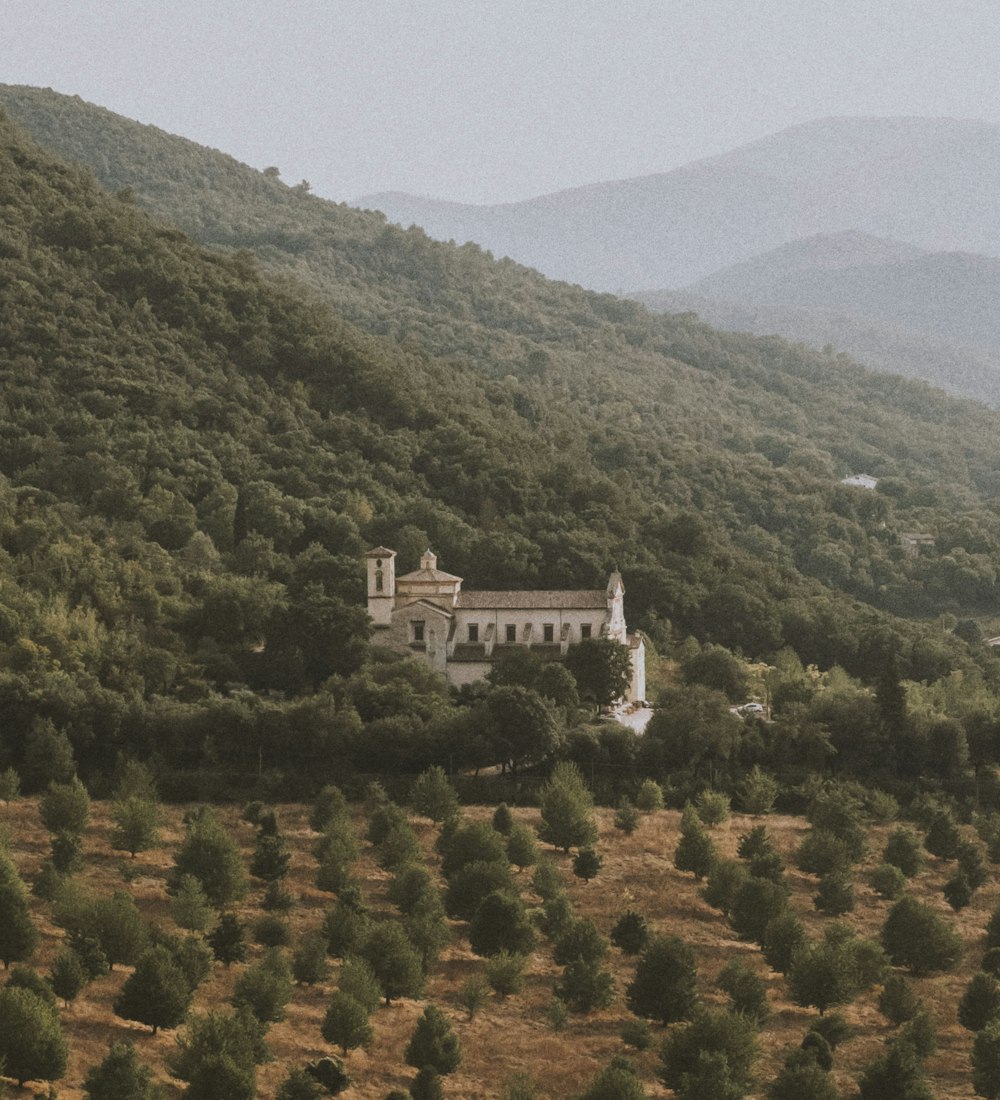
[{"x": 460, "y": 634}]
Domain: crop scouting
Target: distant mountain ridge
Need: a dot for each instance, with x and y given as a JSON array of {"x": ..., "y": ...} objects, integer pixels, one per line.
[
  {"x": 933, "y": 183},
  {"x": 889, "y": 304}
]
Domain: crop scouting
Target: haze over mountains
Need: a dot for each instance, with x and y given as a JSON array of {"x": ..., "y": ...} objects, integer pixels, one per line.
[
  {"x": 889, "y": 304},
  {"x": 933, "y": 183},
  {"x": 874, "y": 236}
]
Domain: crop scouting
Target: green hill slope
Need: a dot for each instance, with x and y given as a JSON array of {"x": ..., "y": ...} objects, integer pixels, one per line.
[{"x": 193, "y": 459}]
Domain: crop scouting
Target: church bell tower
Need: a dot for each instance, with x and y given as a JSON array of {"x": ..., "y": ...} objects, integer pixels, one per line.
[{"x": 381, "y": 585}]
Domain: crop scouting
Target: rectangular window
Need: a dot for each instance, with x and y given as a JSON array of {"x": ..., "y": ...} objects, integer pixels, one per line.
[
  {"x": 473, "y": 632},
  {"x": 511, "y": 632},
  {"x": 584, "y": 630},
  {"x": 548, "y": 632},
  {"x": 418, "y": 631}
]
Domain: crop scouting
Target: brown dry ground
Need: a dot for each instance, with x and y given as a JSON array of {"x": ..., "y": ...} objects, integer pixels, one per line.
[{"x": 513, "y": 1035}]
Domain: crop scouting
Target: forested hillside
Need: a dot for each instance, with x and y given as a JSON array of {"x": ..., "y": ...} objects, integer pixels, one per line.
[
  {"x": 959, "y": 369},
  {"x": 194, "y": 460}
]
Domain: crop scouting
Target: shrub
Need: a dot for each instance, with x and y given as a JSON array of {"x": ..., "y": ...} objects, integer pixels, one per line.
[
  {"x": 473, "y": 993},
  {"x": 409, "y": 884},
  {"x": 897, "y": 1002},
  {"x": 358, "y": 979},
  {"x": 617, "y": 1081},
  {"x": 757, "y": 792},
  {"x": 631, "y": 932},
  {"x": 637, "y": 1033},
  {"x": 345, "y": 927},
  {"x": 156, "y": 993},
  {"x": 758, "y": 901},
  {"x": 712, "y": 807},
  {"x": 888, "y": 881},
  {"x": 783, "y": 936},
  {"x": 916, "y": 937},
  {"x": 586, "y": 864},
  {"x": 626, "y": 817},
  {"x": 394, "y": 961},
  {"x": 747, "y": 992},
  {"x": 300, "y": 1085},
  {"x": 943, "y": 837},
  {"x": 189, "y": 906},
  {"x": 649, "y": 797},
  {"x": 121, "y": 1076},
  {"x": 835, "y": 895},
  {"x": 695, "y": 851},
  {"x": 265, "y": 988},
  {"x": 585, "y": 986},
  {"x": 271, "y": 931},
  {"x": 957, "y": 891},
  {"x": 501, "y": 924},
  {"x": 276, "y": 899},
  {"x": 271, "y": 858},
  {"x": 903, "y": 850},
  {"x": 723, "y": 884},
  {"x": 567, "y": 809},
  {"x": 475, "y": 881},
  {"x": 346, "y": 1023},
  {"x": 822, "y": 853},
  {"x": 68, "y": 975},
  {"x": 433, "y": 795},
  {"x": 547, "y": 881},
  {"x": 980, "y": 1002},
  {"x": 65, "y": 807},
  {"x": 330, "y": 804},
  {"x": 580, "y": 939},
  {"x": 522, "y": 849},
  {"x": 503, "y": 819},
  {"x": 728, "y": 1040},
  {"x": 210, "y": 855},
  {"x": 434, "y": 1043},
  {"x": 505, "y": 973},
  {"x": 226, "y": 940},
  {"x": 991, "y": 962},
  {"x": 475, "y": 842},
  {"x": 136, "y": 824},
  {"x": 663, "y": 988}
]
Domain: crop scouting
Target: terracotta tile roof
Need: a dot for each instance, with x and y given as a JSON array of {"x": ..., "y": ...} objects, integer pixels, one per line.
[
  {"x": 428, "y": 576},
  {"x": 583, "y": 599}
]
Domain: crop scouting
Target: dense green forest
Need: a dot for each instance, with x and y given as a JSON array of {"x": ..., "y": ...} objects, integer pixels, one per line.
[{"x": 195, "y": 454}]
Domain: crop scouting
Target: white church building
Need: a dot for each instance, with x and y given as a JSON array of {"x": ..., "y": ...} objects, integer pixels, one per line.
[{"x": 461, "y": 634}]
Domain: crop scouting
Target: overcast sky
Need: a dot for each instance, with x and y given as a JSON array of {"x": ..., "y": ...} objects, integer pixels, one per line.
[{"x": 495, "y": 101}]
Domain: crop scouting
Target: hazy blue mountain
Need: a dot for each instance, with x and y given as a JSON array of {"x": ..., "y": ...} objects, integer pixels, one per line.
[
  {"x": 767, "y": 277},
  {"x": 889, "y": 304},
  {"x": 933, "y": 183}
]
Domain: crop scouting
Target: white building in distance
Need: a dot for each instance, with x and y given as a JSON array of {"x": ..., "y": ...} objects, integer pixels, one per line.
[{"x": 461, "y": 634}]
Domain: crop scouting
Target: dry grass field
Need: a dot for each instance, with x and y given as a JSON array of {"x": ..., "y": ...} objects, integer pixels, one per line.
[{"x": 513, "y": 1035}]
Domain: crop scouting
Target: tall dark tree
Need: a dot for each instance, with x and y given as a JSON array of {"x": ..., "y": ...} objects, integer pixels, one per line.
[
  {"x": 602, "y": 669},
  {"x": 156, "y": 993},
  {"x": 567, "y": 810},
  {"x": 120, "y": 1076},
  {"x": 434, "y": 1043},
  {"x": 32, "y": 1046},
  {"x": 663, "y": 988}
]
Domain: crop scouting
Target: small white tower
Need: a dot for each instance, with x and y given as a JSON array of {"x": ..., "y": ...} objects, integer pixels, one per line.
[{"x": 381, "y": 585}]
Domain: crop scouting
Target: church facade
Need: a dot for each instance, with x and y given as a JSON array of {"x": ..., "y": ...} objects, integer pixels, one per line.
[{"x": 461, "y": 634}]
